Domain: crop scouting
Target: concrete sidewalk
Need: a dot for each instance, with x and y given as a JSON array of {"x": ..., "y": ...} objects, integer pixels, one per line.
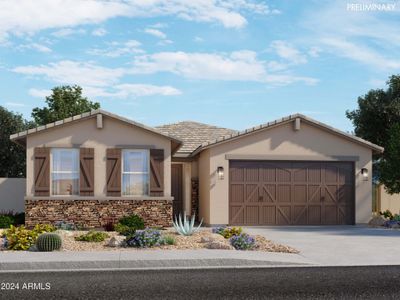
[{"x": 145, "y": 259}]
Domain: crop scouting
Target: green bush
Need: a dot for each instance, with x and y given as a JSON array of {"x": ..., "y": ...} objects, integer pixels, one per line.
[
  {"x": 128, "y": 225},
  {"x": 231, "y": 231},
  {"x": 92, "y": 236},
  {"x": 48, "y": 242},
  {"x": 169, "y": 240},
  {"x": 18, "y": 218},
  {"x": 6, "y": 221},
  {"x": 21, "y": 238}
]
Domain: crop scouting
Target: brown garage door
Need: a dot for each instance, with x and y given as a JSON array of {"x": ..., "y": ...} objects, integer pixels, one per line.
[{"x": 291, "y": 193}]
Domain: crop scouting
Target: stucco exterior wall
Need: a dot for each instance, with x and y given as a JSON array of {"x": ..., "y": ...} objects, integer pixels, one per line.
[
  {"x": 12, "y": 192},
  {"x": 309, "y": 142},
  {"x": 85, "y": 133}
]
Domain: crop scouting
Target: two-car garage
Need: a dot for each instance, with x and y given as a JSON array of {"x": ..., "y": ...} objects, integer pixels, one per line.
[{"x": 291, "y": 193}]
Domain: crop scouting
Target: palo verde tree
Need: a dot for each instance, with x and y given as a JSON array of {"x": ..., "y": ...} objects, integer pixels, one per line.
[
  {"x": 64, "y": 102},
  {"x": 377, "y": 119}
]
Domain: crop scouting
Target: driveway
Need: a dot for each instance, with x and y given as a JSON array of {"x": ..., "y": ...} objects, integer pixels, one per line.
[{"x": 338, "y": 245}]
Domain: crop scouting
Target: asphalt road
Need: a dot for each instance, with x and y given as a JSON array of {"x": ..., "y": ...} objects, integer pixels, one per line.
[{"x": 381, "y": 282}]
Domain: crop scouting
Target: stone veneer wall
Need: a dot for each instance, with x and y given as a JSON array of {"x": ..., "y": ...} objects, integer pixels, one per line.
[
  {"x": 195, "y": 198},
  {"x": 95, "y": 214}
]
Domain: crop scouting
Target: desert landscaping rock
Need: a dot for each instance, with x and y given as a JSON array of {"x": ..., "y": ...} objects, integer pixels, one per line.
[
  {"x": 377, "y": 221},
  {"x": 116, "y": 241},
  {"x": 219, "y": 245}
]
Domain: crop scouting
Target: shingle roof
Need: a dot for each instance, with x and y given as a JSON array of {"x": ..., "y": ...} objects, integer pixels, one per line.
[
  {"x": 284, "y": 120},
  {"x": 193, "y": 134}
]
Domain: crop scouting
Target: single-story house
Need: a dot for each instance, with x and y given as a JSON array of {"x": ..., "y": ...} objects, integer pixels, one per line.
[{"x": 96, "y": 167}]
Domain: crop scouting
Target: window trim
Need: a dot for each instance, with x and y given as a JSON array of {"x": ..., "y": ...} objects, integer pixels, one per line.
[
  {"x": 147, "y": 152},
  {"x": 64, "y": 172}
]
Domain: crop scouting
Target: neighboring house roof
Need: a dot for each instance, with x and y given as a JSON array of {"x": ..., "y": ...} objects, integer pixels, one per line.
[
  {"x": 20, "y": 137},
  {"x": 193, "y": 134},
  {"x": 278, "y": 122}
]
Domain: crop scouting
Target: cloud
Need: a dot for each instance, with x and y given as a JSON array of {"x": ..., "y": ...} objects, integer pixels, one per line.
[
  {"x": 236, "y": 66},
  {"x": 288, "y": 52},
  {"x": 198, "y": 39},
  {"x": 99, "y": 32},
  {"x": 156, "y": 33},
  {"x": 25, "y": 17},
  {"x": 361, "y": 54},
  {"x": 72, "y": 72},
  {"x": 96, "y": 81},
  {"x": 370, "y": 38},
  {"x": 116, "y": 49},
  {"x": 35, "y": 46},
  {"x": 67, "y": 32},
  {"x": 37, "y": 93},
  {"x": 14, "y": 104}
]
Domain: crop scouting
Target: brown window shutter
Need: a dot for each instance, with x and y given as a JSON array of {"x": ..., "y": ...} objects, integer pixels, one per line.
[
  {"x": 86, "y": 166},
  {"x": 113, "y": 172},
  {"x": 157, "y": 172},
  {"x": 42, "y": 171}
]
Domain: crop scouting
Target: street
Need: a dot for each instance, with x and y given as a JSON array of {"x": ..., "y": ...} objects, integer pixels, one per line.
[{"x": 378, "y": 282}]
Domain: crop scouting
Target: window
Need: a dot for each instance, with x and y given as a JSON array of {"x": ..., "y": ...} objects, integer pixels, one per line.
[
  {"x": 135, "y": 172},
  {"x": 65, "y": 171}
]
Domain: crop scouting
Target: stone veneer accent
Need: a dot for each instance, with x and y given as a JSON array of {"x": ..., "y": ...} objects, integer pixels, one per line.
[
  {"x": 95, "y": 214},
  {"x": 195, "y": 198}
]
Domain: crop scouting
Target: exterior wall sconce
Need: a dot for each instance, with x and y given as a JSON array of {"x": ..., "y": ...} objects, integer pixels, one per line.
[
  {"x": 364, "y": 173},
  {"x": 220, "y": 173}
]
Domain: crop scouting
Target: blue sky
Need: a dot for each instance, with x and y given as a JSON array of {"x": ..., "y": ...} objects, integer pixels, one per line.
[{"x": 235, "y": 63}]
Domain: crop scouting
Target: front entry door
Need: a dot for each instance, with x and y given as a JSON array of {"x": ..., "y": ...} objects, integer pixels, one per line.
[{"x": 177, "y": 189}]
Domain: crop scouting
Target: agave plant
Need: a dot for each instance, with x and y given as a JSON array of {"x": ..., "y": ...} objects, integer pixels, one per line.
[{"x": 184, "y": 226}]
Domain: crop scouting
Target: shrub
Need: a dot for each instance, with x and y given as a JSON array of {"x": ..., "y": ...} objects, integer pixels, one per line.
[
  {"x": 228, "y": 232},
  {"x": 6, "y": 221},
  {"x": 396, "y": 217},
  {"x": 48, "y": 242},
  {"x": 92, "y": 236},
  {"x": 168, "y": 240},
  {"x": 18, "y": 218},
  {"x": 242, "y": 241},
  {"x": 387, "y": 214},
  {"x": 20, "y": 238},
  {"x": 128, "y": 225},
  {"x": 145, "y": 238},
  {"x": 219, "y": 230},
  {"x": 64, "y": 225},
  {"x": 109, "y": 226}
]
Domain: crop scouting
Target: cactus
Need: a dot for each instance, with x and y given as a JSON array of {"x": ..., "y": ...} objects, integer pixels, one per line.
[{"x": 48, "y": 242}]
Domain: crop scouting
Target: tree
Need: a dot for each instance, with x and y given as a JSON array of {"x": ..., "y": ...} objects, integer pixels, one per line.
[
  {"x": 12, "y": 156},
  {"x": 377, "y": 120},
  {"x": 64, "y": 102}
]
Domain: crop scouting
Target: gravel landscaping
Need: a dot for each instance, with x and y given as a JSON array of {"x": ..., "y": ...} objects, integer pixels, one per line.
[
  {"x": 203, "y": 239},
  {"x": 199, "y": 240}
]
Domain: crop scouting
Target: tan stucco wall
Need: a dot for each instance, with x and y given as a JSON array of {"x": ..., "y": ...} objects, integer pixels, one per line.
[
  {"x": 387, "y": 201},
  {"x": 85, "y": 134},
  {"x": 280, "y": 141},
  {"x": 12, "y": 192},
  {"x": 204, "y": 186}
]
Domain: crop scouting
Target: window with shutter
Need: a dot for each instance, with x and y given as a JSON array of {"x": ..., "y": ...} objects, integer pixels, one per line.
[
  {"x": 156, "y": 172},
  {"x": 42, "y": 171},
  {"x": 113, "y": 172},
  {"x": 86, "y": 165}
]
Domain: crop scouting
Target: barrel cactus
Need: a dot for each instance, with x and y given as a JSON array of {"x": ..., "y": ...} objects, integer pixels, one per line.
[{"x": 48, "y": 242}]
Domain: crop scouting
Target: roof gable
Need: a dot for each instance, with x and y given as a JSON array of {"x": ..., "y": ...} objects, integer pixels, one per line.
[
  {"x": 283, "y": 121},
  {"x": 20, "y": 137}
]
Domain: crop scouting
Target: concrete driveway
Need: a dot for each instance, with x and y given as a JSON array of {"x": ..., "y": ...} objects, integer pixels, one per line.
[{"x": 338, "y": 245}]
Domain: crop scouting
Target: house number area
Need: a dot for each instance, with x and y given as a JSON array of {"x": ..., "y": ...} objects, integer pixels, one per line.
[{"x": 42, "y": 286}]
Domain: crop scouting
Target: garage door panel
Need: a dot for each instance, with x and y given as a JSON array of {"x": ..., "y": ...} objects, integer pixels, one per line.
[
  {"x": 268, "y": 215},
  {"x": 283, "y": 215},
  {"x": 268, "y": 193},
  {"x": 291, "y": 193},
  {"x": 283, "y": 193},
  {"x": 237, "y": 192},
  {"x": 300, "y": 194},
  {"x": 252, "y": 215}
]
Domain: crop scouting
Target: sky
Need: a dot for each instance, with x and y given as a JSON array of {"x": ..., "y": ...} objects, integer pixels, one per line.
[{"x": 235, "y": 64}]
